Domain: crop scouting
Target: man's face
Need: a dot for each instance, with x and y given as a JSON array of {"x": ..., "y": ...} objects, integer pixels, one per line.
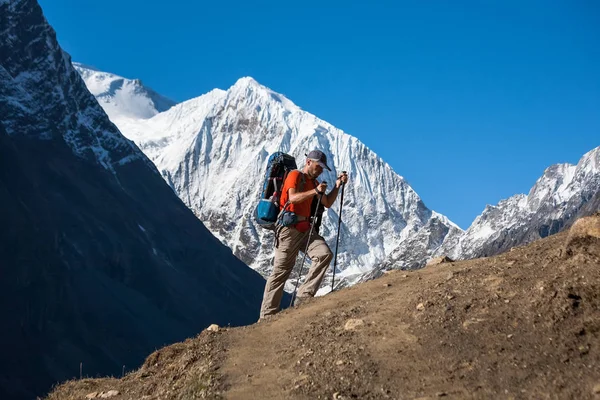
[{"x": 314, "y": 169}]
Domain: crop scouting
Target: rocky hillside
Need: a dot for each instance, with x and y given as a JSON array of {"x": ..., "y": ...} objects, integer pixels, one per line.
[{"x": 521, "y": 325}]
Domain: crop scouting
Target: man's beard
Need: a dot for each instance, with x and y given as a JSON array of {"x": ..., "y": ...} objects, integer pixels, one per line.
[{"x": 312, "y": 175}]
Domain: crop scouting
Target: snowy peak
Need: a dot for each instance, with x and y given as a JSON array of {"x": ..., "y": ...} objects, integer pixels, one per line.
[
  {"x": 248, "y": 92},
  {"x": 553, "y": 186},
  {"x": 247, "y": 82},
  {"x": 561, "y": 182},
  {"x": 121, "y": 97},
  {"x": 589, "y": 163}
]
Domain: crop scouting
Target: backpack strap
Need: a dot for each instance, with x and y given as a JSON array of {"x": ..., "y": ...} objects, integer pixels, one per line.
[
  {"x": 287, "y": 204},
  {"x": 300, "y": 188},
  {"x": 302, "y": 181}
]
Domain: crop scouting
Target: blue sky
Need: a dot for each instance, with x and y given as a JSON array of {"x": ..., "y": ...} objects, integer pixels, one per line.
[{"x": 468, "y": 100}]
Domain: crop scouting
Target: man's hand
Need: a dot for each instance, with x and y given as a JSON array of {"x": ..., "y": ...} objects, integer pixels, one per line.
[
  {"x": 321, "y": 187},
  {"x": 342, "y": 179}
]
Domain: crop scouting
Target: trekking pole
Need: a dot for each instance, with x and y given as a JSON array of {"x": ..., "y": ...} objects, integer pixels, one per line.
[
  {"x": 337, "y": 240},
  {"x": 312, "y": 225}
]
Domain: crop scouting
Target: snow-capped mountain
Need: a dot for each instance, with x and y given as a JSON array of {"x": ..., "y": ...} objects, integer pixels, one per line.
[
  {"x": 213, "y": 149},
  {"x": 100, "y": 262},
  {"x": 561, "y": 195},
  {"x": 121, "y": 97}
]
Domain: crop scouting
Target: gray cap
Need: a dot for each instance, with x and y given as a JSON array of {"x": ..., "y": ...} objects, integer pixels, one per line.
[{"x": 319, "y": 157}]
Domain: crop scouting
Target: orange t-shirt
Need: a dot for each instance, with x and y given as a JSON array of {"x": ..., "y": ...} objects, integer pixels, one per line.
[{"x": 293, "y": 181}]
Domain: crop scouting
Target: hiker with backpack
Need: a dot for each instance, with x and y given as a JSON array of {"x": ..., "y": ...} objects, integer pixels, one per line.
[{"x": 300, "y": 191}]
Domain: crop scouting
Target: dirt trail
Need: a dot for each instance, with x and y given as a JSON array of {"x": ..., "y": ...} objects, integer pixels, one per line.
[{"x": 522, "y": 325}]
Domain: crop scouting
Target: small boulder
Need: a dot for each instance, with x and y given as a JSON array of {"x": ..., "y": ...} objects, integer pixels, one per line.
[
  {"x": 352, "y": 324},
  {"x": 213, "y": 328},
  {"x": 109, "y": 394},
  {"x": 92, "y": 395}
]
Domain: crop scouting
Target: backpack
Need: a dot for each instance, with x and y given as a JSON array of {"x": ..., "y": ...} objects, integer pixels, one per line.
[{"x": 267, "y": 209}]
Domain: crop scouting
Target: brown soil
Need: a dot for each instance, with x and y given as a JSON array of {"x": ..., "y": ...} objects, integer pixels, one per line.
[{"x": 522, "y": 325}]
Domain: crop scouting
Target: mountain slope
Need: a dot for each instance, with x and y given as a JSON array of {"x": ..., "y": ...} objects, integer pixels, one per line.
[
  {"x": 100, "y": 261},
  {"x": 523, "y": 325},
  {"x": 213, "y": 149}
]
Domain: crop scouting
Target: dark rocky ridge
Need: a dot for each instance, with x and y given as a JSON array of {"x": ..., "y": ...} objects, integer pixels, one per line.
[{"x": 100, "y": 262}]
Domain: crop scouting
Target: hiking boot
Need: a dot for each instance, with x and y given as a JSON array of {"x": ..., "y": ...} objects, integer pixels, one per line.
[{"x": 265, "y": 318}]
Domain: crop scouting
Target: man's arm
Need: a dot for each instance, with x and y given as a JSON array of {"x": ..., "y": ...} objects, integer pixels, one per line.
[
  {"x": 296, "y": 197},
  {"x": 299, "y": 197},
  {"x": 329, "y": 199}
]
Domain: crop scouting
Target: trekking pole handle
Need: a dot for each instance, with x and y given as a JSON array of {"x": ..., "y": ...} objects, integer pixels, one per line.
[
  {"x": 340, "y": 177},
  {"x": 324, "y": 183}
]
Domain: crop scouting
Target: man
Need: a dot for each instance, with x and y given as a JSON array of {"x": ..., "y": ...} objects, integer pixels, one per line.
[{"x": 299, "y": 189}]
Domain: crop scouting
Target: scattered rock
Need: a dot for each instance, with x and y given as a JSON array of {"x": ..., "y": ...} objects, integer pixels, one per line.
[
  {"x": 387, "y": 285},
  {"x": 337, "y": 396},
  {"x": 439, "y": 260},
  {"x": 92, "y": 395},
  {"x": 213, "y": 328},
  {"x": 109, "y": 394},
  {"x": 352, "y": 324},
  {"x": 472, "y": 321},
  {"x": 449, "y": 276},
  {"x": 420, "y": 307},
  {"x": 339, "y": 362},
  {"x": 596, "y": 389}
]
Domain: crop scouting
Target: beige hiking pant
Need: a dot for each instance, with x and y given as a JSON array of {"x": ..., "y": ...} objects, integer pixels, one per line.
[{"x": 290, "y": 243}]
